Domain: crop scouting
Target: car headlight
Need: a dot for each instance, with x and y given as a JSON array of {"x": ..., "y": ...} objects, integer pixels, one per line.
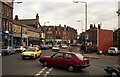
[
  {"x": 32, "y": 54},
  {"x": 22, "y": 54}
]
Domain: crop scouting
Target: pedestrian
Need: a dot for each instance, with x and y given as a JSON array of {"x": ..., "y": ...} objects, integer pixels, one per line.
[{"x": 83, "y": 49}]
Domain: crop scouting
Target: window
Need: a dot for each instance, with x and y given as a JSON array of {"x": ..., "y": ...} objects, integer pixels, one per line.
[
  {"x": 14, "y": 28},
  {"x": 58, "y": 55},
  {"x": 57, "y": 37},
  {"x": 24, "y": 31},
  {"x": 7, "y": 11},
  {"x": 49, "y": 32},
  {"x": 57, "y": 32},
  {"x": 49, "y": 29},
  {"x": 2, "y": 9},
  {"x": 68, "y": 56}
]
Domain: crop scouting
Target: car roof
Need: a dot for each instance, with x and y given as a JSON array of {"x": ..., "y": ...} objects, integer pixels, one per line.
[{"x": 67, "y": 52}]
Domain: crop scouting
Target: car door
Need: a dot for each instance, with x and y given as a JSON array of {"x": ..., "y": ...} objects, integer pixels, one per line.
[
  {"x": 68, "y": 59},
  {"x": 57, "y": 59}
]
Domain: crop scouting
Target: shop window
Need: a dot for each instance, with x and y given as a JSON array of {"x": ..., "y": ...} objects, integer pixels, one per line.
[{"x": 57, "y": 37}]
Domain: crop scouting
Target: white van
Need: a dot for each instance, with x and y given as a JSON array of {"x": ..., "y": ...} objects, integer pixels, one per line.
[{"x": 113, "y": 50}]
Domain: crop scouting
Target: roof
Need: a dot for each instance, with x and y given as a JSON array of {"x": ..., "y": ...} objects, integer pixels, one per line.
[
  {"x": 28, "y": 21},
  {"x": 20, "y": 24},
  {"x": 67, "y": 52}
]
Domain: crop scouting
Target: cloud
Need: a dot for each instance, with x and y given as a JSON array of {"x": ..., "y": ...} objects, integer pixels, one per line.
[{"x": 66, "y": 12}]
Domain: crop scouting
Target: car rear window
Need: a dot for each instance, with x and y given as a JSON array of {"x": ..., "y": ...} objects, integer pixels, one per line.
[
  {"x": 79, "y": 56},
  {"x": 4, "y": 47},
  {"x": 31, "y": 49},
  {"x": 112, "y": 49}
]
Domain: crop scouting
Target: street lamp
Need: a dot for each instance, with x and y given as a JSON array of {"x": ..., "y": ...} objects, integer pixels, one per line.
[
  {"x": 85, "y": 12},
  {"x": 46, "y": 22}
]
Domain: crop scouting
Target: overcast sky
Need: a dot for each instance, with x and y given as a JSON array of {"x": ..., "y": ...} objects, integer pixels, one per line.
[{"x": 68, "y": 13}]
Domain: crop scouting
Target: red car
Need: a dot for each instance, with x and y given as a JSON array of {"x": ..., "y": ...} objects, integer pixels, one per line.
[
  {"x": 44, "y": 47},
  {"x": 69, "y": 60}
]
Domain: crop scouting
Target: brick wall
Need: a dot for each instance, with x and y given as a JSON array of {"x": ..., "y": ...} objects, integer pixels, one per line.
[{"x": 105, "y": 40}]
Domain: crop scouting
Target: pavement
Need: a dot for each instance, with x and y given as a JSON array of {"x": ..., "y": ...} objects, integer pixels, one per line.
[{"x": 93, "y": 56}]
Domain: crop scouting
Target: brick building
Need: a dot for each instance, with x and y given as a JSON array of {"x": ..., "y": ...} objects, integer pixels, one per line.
[
  {"x": 6, "y": 17},
  {"x": 102, "y": 38},
  {"x": 20, "y": 34},
  {"x": 34, "y": 29},
  {"x": 59, "y": 34}
]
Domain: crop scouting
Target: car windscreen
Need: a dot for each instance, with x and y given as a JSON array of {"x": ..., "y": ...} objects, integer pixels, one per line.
[
  {"x": 4, "y": 47},
  {"x": 31, "y": 49},
  {"x": 79, "y": 56},
  {"x": 112, "y": 49}
]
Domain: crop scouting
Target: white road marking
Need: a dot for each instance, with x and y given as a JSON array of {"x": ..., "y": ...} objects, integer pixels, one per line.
[
  {"x": 47, "y": 72},
  {"x": 42, "y": 70}
]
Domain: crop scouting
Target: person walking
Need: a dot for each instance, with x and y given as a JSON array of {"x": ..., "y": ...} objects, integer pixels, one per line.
[{"x": 83, "y": 49}]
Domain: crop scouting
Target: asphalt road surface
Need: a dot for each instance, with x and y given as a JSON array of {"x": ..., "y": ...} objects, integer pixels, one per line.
[{"x": 14, "y": 65}]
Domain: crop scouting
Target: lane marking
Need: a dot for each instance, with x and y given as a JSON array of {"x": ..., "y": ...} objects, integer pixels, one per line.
[
  {"x": 40, "y": 72},
  {"x": 47, "y": 72}
]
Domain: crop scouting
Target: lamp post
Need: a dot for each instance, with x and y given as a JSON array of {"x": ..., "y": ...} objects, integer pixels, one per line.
[
  {"x": 81, "y": 24},
  {"x": 85, "y": 12}
]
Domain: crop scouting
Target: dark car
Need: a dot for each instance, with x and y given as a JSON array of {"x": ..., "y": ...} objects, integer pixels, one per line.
[
  {"x": 114, "y": 71},
  {"x": 65, "y": 59}
]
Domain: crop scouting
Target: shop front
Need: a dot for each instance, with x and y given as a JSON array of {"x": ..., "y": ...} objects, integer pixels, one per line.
[
  {"x": 49, "y": 41},
  {"x": 16, "y": 41},
  {"x": 7, "y": 38}
]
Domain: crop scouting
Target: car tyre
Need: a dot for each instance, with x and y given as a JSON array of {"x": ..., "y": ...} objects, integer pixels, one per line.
[
  {"x": 9, "y": 53},
  {"x": 70, "y": 68},
  {"x": 45, "y": 64},
  {"x": 23, "y": 58},
  {"x": 114, "y": 74}
]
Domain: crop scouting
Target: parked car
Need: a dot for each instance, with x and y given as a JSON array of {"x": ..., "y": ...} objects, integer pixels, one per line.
[
  {"x": 20, "y": 49},
  {"x": 64, "y": 46},
  {"x": 55, "y": 48},
  {"x": 50, "y": 46},
  {"x": 7, "y": 50},
  {"x": 113, "y": 50},
  {"x": 114, "y": 71},
  {"x": 65, "y": 59},
  {"x": 36, "y": 46},
  {"x": 44, "y": 47},
  {"x": 0, "y": 52},
  {"x": 31, "y": 52}
]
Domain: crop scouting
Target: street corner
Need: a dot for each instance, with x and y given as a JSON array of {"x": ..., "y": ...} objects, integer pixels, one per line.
[{"x": 92, "y": 56}]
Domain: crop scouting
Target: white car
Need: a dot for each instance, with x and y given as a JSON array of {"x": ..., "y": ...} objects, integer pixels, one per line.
[
  {"x": 55, "y": 48},
  {"x": 20, "y": 49},
  {"x": 64, "y": 46},
  {"x": 113, "y": 50}
]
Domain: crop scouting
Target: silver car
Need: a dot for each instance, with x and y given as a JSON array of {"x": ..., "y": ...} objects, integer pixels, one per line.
[{"x": 7, "y": 50}]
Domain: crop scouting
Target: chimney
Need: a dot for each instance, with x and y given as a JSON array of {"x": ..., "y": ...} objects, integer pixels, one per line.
[
  {"x": 99, "y": 26},
  {"x": 91, "y": 26},
  {"x": 16, "y": 18},
  {"x": 37, "y": 18}
]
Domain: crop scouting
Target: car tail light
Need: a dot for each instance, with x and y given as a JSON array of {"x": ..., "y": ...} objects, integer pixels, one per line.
[{"x": 6, "y": 51}]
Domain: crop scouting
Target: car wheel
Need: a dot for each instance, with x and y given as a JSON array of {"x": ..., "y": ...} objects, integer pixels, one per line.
[
  {"x": 23, "y": 58},
  {"x": 9, "y": 53},
  {"x": 45, "y": 63},
  {"x": 114, "y": 74},
  {"x": 71, "y": 68}
]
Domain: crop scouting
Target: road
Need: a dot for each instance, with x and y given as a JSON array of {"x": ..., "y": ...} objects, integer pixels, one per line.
[{"x": 14, "y": 65}]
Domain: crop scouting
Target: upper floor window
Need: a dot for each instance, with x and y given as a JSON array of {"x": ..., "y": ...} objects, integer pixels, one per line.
[
  {"x": 49, "y": 28},
  {"x": 49, "y": 32},
  {"x": 14, "y": 28},
  {"x": 2, "y": 9},
  {"x": 57, "y": 37},
  {"x": 7, "y": 11},
  {"x": 57, "y": 32},
  {"x": 24, "y": 31}
]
